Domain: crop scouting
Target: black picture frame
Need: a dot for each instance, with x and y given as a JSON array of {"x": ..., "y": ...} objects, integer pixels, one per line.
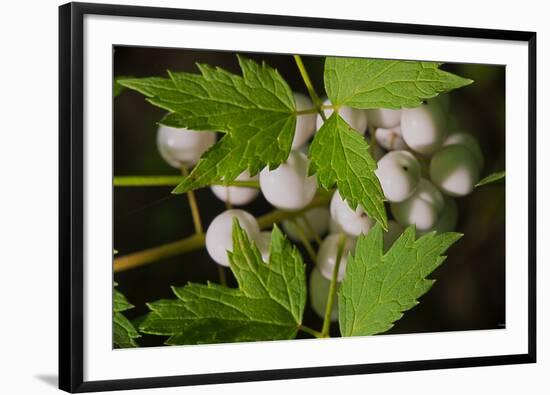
[{"x": 71, "y": 204}]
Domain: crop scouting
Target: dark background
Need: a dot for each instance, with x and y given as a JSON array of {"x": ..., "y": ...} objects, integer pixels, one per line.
[{"x": 469, "y": 293}]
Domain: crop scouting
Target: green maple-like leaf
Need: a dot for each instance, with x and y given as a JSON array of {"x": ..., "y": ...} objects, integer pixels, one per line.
[
  {"x": 117, "y": 88},
  {"x": 340, "y": 156},
  {"x": 379, "y": 287},
  {"x": 376, "y": 83},
  {"x": 256, "y": 111},
  {"x": 124, "y": 333},
  {"x": 267, "y": 305},
  {"x": 120, "y": 303},
  {"x": 499, "y": 175}
]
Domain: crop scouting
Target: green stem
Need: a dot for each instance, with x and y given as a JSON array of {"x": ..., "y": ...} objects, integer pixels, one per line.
[
  {"x": 193, "y": 205},
  {"x": 140, "y": 258},
  {"x": 315, "y": 109},
  {"x": 196, "y": 242},
  {"x": 317, "y": 102},
  {"x": 159, "y": 181},
  {"x": 333, "y": 285},
  {"x": 199, "y": 230},
  {"x": 312, "y": 230},
  {"x": 372, "y": 136},
  {"x": 221, "y": 275},
  {"x": 303, "y": 238},
  {"x": 308, "y": 111},
  {"x": 146, "y": 181},
  {"x": 310, "y": 331}
]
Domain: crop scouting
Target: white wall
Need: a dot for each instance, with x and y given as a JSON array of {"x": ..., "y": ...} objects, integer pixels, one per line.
[{"x": 28, "y": 216}]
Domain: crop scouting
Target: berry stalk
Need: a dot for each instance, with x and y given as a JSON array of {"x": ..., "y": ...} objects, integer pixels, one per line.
[
  {"x": 193, "y": 205},
  {"x": 303, "y": 238},
  {"x": 333, "y": 286},
  {"x": 310, "y": 331}
]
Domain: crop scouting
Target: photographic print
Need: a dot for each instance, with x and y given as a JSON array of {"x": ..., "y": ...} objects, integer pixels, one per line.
[
  {"x": 262, "y": 196},
  {"x": 249, "y": 197}
]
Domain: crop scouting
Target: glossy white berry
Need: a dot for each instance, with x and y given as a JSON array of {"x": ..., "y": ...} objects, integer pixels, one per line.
[
  {"x": 468, "y": 141},
  {"x": 454, "y": 169},
  {"x": 355, "y": 118},
  {"x": 422, "y": 128},
  {"x": 384, "y": 118},
  {"x": 263, "y": 240},
  {"x": 219, "y": 236},
  {"x": 288, "y": 187},
  {"x": 391, "y": 139},
  {"x": 305, "y": 123},
  {"x": 422, "y": 209},
  {"x": 326, "y": 257},
  {"x": 352, "y": 222},
  {"x": 237, "y": 196},
  {"x": 180, "y": 147},
  {"x": 448, "y": 217},
  {"x": 398, "y": 173},
  {"x": 319, "y": 288},
  {"x": 394, "y": 231},
  {"x": 313, "y": 222}
]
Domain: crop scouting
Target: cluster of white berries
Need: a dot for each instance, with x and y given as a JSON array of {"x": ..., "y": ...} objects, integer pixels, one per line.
[
  {"x": 421, "y": 168},
  {"x": 426, "y": 167}
]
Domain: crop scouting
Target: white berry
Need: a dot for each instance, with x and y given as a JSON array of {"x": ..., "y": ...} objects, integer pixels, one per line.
[
  {"x": 326, "y": 257},
  {"x": 180, "y": 147},
  {"x": 263, "y": 241},
  {"x": 391, "y": 139},
  {"x": 422, "y": 128},
  {"x": 467, "y": 141},
  {"x": 422, "y": 209},
  {"x": 237, "y": 196},
  {"x": 288, "y": 187},
  {"x": 219, "y": 236},
  {"x": 313, "y": 222},
  {"x": 384, "y": 118},
  {"x": 454, "y": 169},
  {"x": 305, "y": 123},
  {"x": 398, "y": 173},
  {"x": 319, "y": 288},
  {"x": 352, "y": 222},
  {"x": 355, "y": 118}
]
